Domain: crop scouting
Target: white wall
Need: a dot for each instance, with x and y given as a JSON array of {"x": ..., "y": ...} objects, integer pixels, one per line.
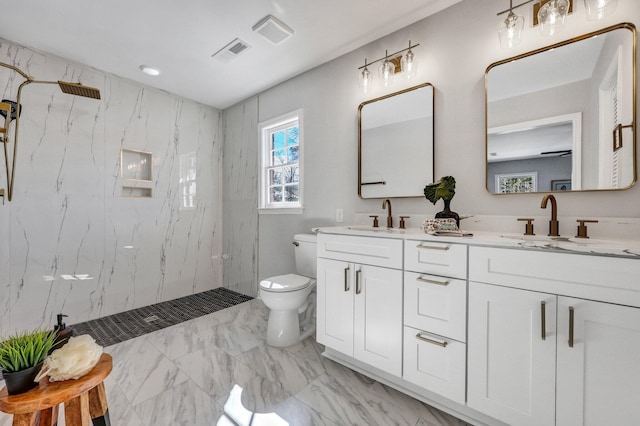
[
  {"x": 67, "y": 217},
  {"x": 456, "y": 46}
]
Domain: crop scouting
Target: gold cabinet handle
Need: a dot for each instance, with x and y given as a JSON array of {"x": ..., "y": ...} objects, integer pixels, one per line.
[
  {"x": 543, "y": 317},
  {"x": 346, "y": 279},
  {"x": 422, "y": 246},
  {"x": 427, "y": 280},
  {"x": 358, "y": 288},
  {"x": 419, "y": 336},
  {"x": 571, "y": 319}
]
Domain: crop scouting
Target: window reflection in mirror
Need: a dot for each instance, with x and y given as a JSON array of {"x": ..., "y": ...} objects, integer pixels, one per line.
[
  {"x": 395, "y": 144},
  {"x": 555, "y": 111}
]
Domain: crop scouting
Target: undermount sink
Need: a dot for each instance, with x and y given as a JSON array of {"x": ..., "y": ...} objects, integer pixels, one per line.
[
  {"x": 540, "y": 238},
  {"x": 586, "y": 245},
  {"x": 372, "y": 229}
]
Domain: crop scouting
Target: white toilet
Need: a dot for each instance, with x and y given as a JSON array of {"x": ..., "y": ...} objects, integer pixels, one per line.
[{"x": 292, "y": 296}]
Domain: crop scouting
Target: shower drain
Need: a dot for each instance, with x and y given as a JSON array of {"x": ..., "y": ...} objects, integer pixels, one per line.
[{"x": 151, "y": 318}]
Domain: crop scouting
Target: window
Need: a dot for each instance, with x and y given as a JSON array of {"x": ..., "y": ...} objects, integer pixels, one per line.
[{"x": 281, "y": 171}]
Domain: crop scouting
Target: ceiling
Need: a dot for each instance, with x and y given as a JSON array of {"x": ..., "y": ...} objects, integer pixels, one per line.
[{"x": 179, "y": 38}]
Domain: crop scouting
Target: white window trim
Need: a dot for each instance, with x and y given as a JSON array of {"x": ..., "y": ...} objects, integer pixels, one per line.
[{"x": 263, "y": 130}]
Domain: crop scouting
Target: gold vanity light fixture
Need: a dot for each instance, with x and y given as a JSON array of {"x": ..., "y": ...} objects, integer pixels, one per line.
[
  {"x": 391, "y": 65},
  {"x": 549, "y": 15},
  {"x": 11, "y": 111}
]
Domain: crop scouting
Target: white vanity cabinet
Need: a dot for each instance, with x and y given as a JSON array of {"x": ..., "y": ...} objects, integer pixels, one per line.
[
  {"x": 536, "y": 355},
  {"x": 435, "y": 305},
  {"x": 359, "y": 299}
]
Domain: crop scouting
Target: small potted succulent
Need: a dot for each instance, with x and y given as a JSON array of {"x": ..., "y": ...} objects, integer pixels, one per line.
[
  {"x": 21, "y": 358},
  {"x": 444, "y": 189}
]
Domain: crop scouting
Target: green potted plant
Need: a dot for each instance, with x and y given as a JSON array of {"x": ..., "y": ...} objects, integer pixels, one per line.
[
  {"x": 21, "y": 358},
  {"x": 444, "y": 189}
]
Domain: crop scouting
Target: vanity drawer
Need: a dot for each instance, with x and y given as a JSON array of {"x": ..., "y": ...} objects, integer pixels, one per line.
[
  {"x": 429, "y": 257},
  {"x": 435, "y": 363},
  {"x": 436, "y": 304},
  {"x": 386, "y": 252},
  {"x": 602, "y": 278}
]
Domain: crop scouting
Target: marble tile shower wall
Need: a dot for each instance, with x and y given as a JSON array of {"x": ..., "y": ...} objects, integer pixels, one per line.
[
  {"x": 241, "y": 151},
  {"x": 69, "y": 242}
]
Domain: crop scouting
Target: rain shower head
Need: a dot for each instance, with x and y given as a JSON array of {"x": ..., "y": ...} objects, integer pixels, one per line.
[{"x": 79, "y": 90}]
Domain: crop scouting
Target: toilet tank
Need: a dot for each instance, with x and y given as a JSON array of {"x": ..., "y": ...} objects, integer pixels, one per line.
[{"x": 305, "y": 252}]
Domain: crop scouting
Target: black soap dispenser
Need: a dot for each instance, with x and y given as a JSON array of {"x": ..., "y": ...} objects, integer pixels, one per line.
[{"x": 63, "y": 333}]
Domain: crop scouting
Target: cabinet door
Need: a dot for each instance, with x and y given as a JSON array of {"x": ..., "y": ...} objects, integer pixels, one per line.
[
  {"x": 334, "y": 317},
  {"x": 599, "y": 377},
  {"x": 378, "y": 318},
  {"x": 511, "y": 369}
]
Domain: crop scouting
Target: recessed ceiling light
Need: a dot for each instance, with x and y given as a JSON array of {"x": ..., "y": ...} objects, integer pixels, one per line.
[{"x": 150, "y": 70}]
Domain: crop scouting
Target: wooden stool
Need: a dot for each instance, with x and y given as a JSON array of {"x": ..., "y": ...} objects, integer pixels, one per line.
[{"x": 84, "y": 400}]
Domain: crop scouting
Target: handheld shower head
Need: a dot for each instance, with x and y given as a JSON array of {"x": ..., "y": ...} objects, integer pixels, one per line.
[
  {"x": 79, "y": 90},
  {"x": 13, "y": 112}
]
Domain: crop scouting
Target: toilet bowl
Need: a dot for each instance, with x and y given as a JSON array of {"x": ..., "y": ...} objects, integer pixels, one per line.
[{"x": 291, "y": 297}]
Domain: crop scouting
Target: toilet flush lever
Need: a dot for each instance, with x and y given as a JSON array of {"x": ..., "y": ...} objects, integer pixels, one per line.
[{"x": 295, "y": 243}]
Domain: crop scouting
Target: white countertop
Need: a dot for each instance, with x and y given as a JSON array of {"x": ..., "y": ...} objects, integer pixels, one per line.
[{"x": 562, "y": 244}]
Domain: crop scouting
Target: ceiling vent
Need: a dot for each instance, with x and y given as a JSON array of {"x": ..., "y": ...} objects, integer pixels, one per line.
[
  {"x": 273, "y": 29},
  {"x": 231, "y": 51}
]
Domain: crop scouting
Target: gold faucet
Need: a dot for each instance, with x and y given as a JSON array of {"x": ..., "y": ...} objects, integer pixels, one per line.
[
  {"x": 553, "y": 223},
  {"x": 387, "y": 204}
]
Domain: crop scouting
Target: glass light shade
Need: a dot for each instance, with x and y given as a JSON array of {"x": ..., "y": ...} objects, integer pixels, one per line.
[
  {"x": 599, "y": 9},
  {"x": 387, "y": 71},
  {"x": 551, "y": 16},
  {"x": 365, "y": 80},
  {"x": 409, "y": 65},
  {"x": 510, "y": 31}
]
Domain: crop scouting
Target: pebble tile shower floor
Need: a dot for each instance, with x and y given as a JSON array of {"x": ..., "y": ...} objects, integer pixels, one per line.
[{"x": 126, "y": 325}]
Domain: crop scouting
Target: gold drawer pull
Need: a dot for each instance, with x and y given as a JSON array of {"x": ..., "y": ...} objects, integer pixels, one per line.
[
  {"x": 426, "y": 280},
  {"x": 422, "y": 246},
  {"x": 571, "y": 322},
  {"x": 543, "y": 316},
  {"x": 419, "y": 336},
  {"x": 346, "y": 279}
]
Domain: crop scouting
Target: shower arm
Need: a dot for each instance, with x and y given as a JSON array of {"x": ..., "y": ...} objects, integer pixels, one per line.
[
  {"x": 16, "y": 69},
  {"x": 16, "y": 130}
]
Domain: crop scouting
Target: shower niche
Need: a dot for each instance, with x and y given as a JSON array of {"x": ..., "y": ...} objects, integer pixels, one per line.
[{"x": 137, "y": 168}]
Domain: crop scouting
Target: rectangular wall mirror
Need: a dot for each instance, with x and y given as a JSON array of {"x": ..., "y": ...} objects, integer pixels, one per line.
[
  {"x": 395, "y": 144},
  {"x": 564, "y": 114}
]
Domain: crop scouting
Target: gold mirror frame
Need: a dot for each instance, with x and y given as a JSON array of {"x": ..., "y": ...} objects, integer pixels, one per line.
[
  {"x": 430, "y": 150},
  {"x": 617, "y": 131}
]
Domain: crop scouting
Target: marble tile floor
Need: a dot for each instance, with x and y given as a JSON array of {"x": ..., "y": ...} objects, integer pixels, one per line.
[{"x": 191, "y": 373}]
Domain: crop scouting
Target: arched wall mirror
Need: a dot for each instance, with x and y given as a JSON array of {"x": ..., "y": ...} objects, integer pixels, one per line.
[
  {"x": 562, "y": 118},
  {"x": 395, "y": 144}
]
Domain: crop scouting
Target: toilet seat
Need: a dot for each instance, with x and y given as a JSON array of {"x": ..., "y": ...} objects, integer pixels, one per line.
[{"x": 285, "y": 283}]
